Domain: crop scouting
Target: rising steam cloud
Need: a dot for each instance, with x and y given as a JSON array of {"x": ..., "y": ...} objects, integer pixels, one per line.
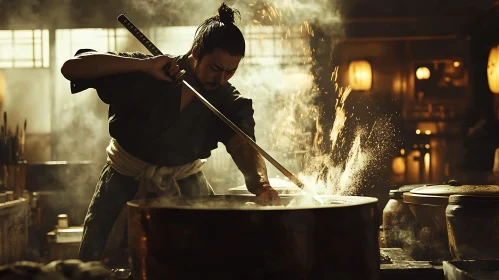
[
  {"x": 280, "y": 12},
  {"x": 284, "y": 96}
]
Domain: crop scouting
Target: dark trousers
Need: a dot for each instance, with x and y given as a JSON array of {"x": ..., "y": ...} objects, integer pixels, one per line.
[{"x": 111, "y": 194}]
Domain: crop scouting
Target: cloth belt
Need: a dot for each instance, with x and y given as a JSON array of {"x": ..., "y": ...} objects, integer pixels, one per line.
[{"x": 160, "y": 180}]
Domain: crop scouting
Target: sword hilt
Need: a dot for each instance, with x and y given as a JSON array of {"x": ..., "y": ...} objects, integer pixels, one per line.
[{"x": 177, "y": 79}]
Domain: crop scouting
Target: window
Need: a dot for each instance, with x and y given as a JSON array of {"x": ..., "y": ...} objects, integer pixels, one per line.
[
  {"x": 100, "y": 39},
  {"x": 24, "y": 48},
  {"x": 276, "y": 45},
  {"x": 172, "y": 40}
]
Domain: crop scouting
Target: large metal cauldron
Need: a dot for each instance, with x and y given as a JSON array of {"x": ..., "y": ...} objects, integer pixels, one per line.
[
  {"x": 428, "y": 204},
  {"x": 221, "y": 237}
]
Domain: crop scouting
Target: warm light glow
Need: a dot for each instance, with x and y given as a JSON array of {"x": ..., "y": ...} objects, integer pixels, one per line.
[
  {"x": 402, "y": 152},
  {"x": 493, "y": 70},
  {"x": 3, "y": 87},
  {"x": 360, "y": 74},
  {"x": 427, "y": 132},
  {"x": 427, "y": 165},
  {"x": 456, "y": 64},
  {"x": 431, "y": 126},
  {"x": 398, "y": 165},
  {"x": 418, "y": 131},
  {"x": 496, "y": 161},
  {"x": 423, "y": 73},
  {"x": 427, "y": 146},
  {"x": 412, "y": 167}
]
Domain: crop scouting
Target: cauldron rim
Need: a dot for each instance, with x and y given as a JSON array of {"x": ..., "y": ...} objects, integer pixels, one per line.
[{"x": 351, "y": 201}]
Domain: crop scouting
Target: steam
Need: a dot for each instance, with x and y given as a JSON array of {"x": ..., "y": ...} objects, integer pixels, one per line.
[
  {"x": 289, "y": 121},
  {"x": 14, "y": 215},
  {"x": 285, "y": 96},
  {"x": 23, "y": 14},
  {"x": 276, "y": 13},
  {"x": 247, "y": 202},
  {"x": 327, "y": 172}
]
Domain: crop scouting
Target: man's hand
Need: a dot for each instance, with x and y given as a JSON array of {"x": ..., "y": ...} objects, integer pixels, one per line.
[
  {"x": 268, "y": 196},
  {"x": 252, "y": 165},
  {"x": 156, "y": 66}
]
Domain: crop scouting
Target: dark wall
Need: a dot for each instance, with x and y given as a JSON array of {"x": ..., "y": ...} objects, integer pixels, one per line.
[
  {"x": 393, "y": 37},
  {"x": 97, "y": 13}
]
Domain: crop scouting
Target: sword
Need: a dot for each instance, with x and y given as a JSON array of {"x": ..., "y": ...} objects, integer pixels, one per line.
[{"x": 178, "y": 79}]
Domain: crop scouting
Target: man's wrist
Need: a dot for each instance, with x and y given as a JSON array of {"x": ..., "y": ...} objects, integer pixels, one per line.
[
  {"x": 260, "y": 188},
  {"x": 143, "y": 65}
]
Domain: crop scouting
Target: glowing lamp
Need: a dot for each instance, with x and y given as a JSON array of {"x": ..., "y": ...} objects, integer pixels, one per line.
[
  {"x": 360, "y": 74},
  {"x": 423, "y": 73},
  {"x": 493, "y": 70}
]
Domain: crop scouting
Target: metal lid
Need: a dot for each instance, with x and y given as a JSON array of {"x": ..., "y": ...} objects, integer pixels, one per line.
[
  {"x": 420, "y": 199},
  {"x": 282, "y": 186},
  {"x": 407, "y": 188},
  {"x": 448, "y": 190},
  {"x": 439, "y": 194},
  {"x": 399, "y": 193}
]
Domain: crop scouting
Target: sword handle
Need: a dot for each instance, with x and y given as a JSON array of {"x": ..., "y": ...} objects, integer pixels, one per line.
[{"x": 177, "y": 79}]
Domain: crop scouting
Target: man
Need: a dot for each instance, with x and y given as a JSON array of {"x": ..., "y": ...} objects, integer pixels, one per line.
[{"x": 161, "y": 133}]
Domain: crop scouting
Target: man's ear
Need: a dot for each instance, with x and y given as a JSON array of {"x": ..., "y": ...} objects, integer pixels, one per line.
[{"x": 195, "y": 52}]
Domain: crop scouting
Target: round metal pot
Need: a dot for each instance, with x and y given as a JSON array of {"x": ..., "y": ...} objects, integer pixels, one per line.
[
  {"x": 428, "y": 204},
  {"x": 222, "y": 237},
  {"x": 472, "y": 226}
]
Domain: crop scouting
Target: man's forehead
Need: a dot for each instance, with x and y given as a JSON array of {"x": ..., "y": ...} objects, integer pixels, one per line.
[{"x": 223, "y": 59}]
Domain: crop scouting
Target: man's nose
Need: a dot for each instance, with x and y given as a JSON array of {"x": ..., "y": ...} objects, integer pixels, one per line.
[{"x": 221, "y": 78}]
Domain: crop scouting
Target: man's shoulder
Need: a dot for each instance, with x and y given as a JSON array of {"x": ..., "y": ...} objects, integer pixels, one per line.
[
  {"x": 135, "y": 54},
  {"x": 234, "y": 101},
  {"x": 233, "y": 93}
]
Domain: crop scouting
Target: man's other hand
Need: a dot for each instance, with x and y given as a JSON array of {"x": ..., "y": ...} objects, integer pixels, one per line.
[
  {"x": 160, "y": 66},
  {"x": 268, "y": 196}
]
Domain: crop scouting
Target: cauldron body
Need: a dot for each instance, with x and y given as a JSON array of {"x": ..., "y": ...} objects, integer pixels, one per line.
[
  {"x": 178, "y": 240},
  {"x": 428, "y": 204},
  {"x": 473, "y": 227}
]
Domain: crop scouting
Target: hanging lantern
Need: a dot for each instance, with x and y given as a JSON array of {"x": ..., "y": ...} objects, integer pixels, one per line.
[
  {"x": 493, "y": 70},
  {"x": 360, "y": 75},
  {"x": 423, "y": 73}
]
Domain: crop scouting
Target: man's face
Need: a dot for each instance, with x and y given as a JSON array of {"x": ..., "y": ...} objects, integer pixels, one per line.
[{"x": 215, "y": 69}]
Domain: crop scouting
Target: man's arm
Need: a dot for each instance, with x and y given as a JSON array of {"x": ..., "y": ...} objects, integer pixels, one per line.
[
  {"x": 252, "y": 165},
  {"x": 93, "y": 65}
]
